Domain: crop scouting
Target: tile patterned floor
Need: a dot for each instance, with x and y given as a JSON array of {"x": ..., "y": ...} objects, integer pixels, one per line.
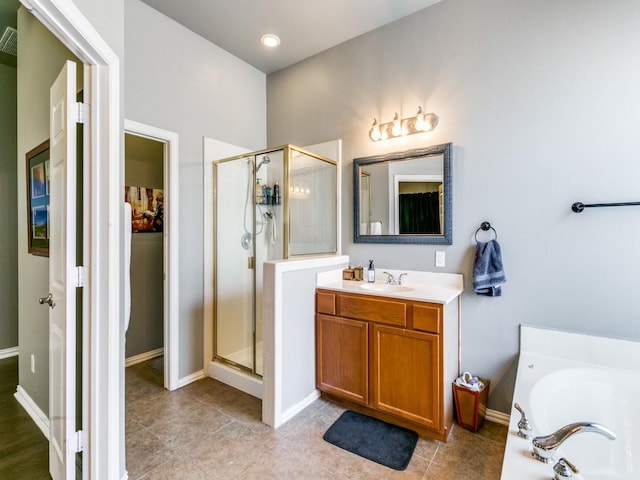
[{"x": 210, "y": 431}]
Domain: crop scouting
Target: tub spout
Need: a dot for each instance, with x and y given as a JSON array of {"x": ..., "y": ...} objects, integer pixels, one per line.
[{"x": 544, "y": 447}]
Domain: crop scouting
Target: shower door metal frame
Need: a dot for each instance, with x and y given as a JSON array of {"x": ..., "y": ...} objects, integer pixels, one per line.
[
  {"x": 286, "y": 182},
  {"x": 251, "y": 260}
]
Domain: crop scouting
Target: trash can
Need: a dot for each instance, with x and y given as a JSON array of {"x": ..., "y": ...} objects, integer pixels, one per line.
[{"x": 470, "y": 396}]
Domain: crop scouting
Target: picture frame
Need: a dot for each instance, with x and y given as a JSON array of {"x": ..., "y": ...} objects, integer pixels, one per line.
[
  {"x": 38, "y": 191},
  {"x": 147, "y": 208}
]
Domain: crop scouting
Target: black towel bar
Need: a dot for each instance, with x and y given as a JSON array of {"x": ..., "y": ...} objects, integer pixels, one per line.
[{"x": 579, "y": 206}]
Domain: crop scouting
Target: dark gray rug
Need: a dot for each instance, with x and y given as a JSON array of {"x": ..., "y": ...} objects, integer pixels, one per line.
[{"x": 373, "y": 439}]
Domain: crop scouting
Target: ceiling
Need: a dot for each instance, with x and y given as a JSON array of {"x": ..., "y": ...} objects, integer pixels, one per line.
[{"x": 305, "y": 27}]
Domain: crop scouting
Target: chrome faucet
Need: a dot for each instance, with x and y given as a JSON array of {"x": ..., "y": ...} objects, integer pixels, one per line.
[
  {"x": 544, "y": 447},
  {"x": 391, "y": 279}
]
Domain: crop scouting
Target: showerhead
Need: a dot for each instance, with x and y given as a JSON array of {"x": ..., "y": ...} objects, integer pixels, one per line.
[{"x": 265, "y": 161}]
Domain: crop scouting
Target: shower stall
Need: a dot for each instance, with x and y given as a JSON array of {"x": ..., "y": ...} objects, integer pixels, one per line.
[{"x": 269, "y": 205}]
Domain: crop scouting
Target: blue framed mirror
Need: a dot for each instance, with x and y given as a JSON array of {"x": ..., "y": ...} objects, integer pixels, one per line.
[{"x": 404, "y": 197}]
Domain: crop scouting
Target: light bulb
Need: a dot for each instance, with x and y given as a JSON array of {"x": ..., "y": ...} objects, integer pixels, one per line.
[
  {"x": 420, "y": 125},
  {"x": 374, "y": 133},
  {"x": 431, "y": 123},
  {"x": 396, "y": 130}
]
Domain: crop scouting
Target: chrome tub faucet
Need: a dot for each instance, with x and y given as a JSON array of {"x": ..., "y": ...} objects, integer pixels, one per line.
[{"x": 544, "y": 447}]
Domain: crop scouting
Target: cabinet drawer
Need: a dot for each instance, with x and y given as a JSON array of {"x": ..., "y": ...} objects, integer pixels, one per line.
[
  {"x": 326, "y": 303},
  {"x": 374, "y": 309},
  {"x": 427, "y": 318}
]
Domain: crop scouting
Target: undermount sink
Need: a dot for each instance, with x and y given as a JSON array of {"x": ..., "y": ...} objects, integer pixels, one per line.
[{"x": 385, "y": 287}]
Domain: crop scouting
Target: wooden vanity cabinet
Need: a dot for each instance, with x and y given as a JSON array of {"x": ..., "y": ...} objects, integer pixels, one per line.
[
  {"x": 342, "y": 350},
  {"x": 388, "y": 358},
  {"x": 405, "y": 376}
]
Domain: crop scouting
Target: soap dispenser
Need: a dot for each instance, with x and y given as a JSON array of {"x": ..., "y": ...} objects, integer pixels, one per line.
[{"x": 371, "y": 272}]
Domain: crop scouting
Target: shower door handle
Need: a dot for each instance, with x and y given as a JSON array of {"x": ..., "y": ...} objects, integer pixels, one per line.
[{"x": 252, "y": 263}]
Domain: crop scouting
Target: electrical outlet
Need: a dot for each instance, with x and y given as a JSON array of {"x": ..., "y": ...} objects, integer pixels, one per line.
[
  {"x": 33, "y": 363},
  {"x": 439, "y": 258}
]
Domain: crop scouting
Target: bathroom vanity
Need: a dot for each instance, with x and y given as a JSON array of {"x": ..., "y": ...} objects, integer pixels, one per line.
[{"x": 391, "y": 351}]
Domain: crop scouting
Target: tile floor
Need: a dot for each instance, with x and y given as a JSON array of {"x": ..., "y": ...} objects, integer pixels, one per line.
[{"x": 208, "y": 430}]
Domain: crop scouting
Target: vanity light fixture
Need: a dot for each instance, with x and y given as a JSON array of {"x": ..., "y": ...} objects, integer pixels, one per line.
[
  {"x": 270, "y": 40},
  {"x": 422, "y": 122}
]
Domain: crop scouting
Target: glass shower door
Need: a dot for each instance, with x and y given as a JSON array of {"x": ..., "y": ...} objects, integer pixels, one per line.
[{"x": 234, "y": 265}]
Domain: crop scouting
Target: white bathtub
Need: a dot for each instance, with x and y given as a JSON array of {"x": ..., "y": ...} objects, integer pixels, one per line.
[{"x": 566, "y": 377}]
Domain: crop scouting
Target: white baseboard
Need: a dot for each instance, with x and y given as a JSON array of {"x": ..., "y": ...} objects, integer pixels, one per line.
[
  {"x": 298, "y": 407},
  {"x": 193, "y": 377},
  {"x": 236, "y": 378},
  {"x": 497, "y": 417},
  {"x": 143, "y": 357},
  {"x": 8, "y": 352},
  {"x": 37, "y": 415}
]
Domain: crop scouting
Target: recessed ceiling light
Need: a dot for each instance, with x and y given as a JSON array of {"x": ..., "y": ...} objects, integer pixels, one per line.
[{"x": 270, "y": 40}]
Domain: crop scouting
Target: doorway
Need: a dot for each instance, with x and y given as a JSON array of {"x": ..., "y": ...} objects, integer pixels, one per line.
[
  {"x": 144, "y": 192},
  {"x": 102, "y": 312},
  {"x": 151, "y": 179}
]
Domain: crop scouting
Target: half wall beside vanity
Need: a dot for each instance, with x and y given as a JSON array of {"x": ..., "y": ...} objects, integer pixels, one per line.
[{"x": 288, "y": 382}]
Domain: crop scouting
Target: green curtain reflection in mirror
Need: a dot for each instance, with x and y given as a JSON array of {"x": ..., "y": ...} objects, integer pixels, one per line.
[{"x": 419, "y": 212}]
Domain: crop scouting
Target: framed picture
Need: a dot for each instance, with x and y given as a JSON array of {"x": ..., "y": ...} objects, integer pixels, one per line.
[
  {"x": 38, "y": 199},
  {"x": 147, "y": 208}
]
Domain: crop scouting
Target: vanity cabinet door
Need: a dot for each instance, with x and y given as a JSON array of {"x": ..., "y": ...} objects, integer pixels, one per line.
[
  {"x": 405, "y": 374},
  {"x": 342, "y": 351}
]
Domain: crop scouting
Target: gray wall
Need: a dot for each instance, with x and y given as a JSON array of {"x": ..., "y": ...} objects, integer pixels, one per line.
[
  {"x": 144, "y": 168},
  {"x": 40, "y": 58},
  {"x": 177, "y": 81},
  {"x": 108, "y": 20},
  {"x": 8, "y": 210},
  {"x": 541, "y": 102}
]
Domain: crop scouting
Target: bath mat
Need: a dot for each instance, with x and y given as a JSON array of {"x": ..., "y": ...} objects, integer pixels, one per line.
[{"x": 373, "y": 439}]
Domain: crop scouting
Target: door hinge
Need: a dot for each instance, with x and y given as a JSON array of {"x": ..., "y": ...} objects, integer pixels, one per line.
[
  {"x": 75, "y": 444},
  {"x": 78, "y": 277},
  {"x": 80, "y": 112},
  {"x": 252, "y": 263}
]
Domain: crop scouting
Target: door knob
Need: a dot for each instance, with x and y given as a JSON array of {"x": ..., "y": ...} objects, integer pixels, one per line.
[{"x": 48, "y": 300}]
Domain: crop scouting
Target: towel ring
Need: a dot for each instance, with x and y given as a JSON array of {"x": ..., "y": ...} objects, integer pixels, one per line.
[{"x": 485, "y": 227}]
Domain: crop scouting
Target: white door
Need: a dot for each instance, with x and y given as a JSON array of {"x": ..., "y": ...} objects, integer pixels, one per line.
[{"x": 63, "y": 442}]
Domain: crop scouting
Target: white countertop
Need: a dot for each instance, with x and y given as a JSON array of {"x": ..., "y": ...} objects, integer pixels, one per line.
[{"x": 423, "y": 286}]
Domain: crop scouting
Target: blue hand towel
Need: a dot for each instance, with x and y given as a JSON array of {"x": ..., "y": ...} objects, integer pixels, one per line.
[{"x": 488, "y": 271}]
